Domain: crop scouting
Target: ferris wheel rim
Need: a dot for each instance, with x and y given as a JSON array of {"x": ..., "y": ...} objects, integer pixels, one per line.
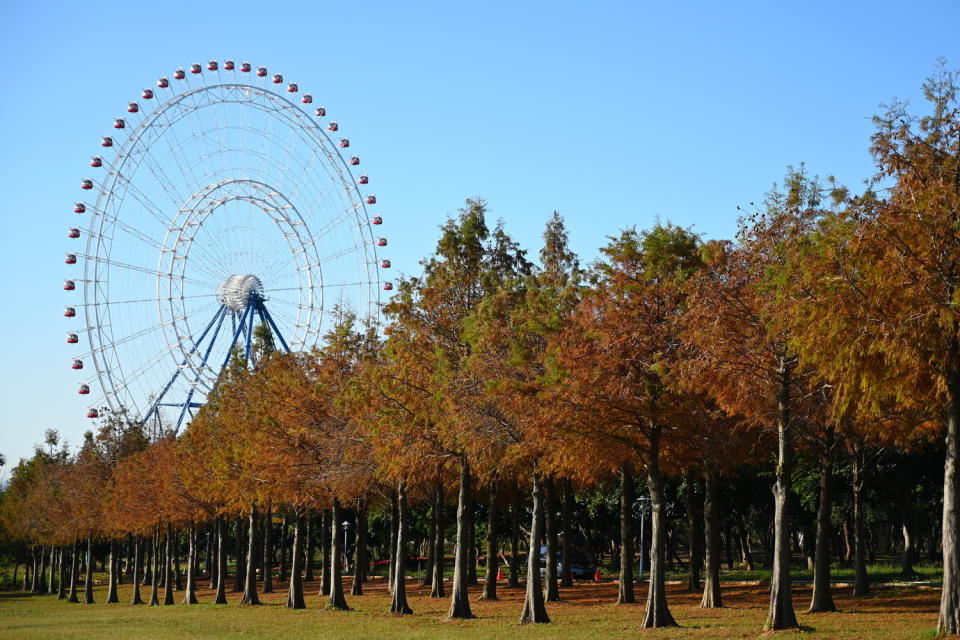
[{"x": 106, "y": 218}]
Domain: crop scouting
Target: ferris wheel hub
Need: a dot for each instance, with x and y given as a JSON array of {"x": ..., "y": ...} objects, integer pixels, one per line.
[{"x": 236, "y": 291}]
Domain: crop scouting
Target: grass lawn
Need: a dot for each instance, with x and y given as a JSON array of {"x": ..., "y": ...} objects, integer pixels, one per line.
[{"x": 586, "y": 612}]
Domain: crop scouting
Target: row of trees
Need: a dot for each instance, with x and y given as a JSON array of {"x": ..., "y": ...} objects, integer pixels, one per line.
[{"x": 829, "y": 324}]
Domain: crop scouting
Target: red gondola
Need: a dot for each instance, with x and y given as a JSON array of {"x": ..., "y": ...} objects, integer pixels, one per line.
[
  {"x": 195, "y": 68},
  {"x": 292, "y": 87},
  {"x": 321, "y": 112},
  {"x": 147, "y": 94},
  {"x": 261, "y": 72},
  {"x": 83, "y": 389},
  {"x": 363, "y": 179},
  {"x": 73, "y": 232},
  {"x": 133, "y": 107},
  {"x": 163, "y": 83},
  {"x": 179, "y": 74},
  {"x": 354, "y": 160},
  {"x": 86, "y": 184},
  {"x": 228, "y": 65},
  {"x": 377, "y": 220},
  {"x": 72, "y": 338},
  {"x": 381, "y": 242},
  {"x": 245, "y": 67},
  {"x": 106, "y": 141},
  {"x": 93, "y": 413},
  {"x": 333, "y": 126},
  {"x": 371, "y": 199},
  {"x": 212, "y": 65},
  {"x": 69, "y": 285},
  {"x": 96, "y": 161},
  {"x": 119, "y": 123},
  {"x": 77, "y": 364},
  {"x": 384, "y": 264},
  {"x": 277, "y": 78},
  {"x": 344, "y": 142},
  {"x": 307, "y": 98},
  {"x": 71, "y": 258},
  {"x": 388, "y": 286},
  {"x": 69, "y": 312},
  {"x": 79, "y": 207}
]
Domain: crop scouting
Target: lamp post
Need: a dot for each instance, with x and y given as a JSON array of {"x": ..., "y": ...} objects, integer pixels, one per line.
[
  {"x": 644, "y": 502},
  {"x": 346, "y": 557}
]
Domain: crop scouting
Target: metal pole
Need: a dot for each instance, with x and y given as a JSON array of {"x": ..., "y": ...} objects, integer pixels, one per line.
[{"x": 643, "y": 513}]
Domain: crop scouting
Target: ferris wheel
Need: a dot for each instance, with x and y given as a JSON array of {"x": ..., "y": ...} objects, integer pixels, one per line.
[{"x": 223, "y": 199}]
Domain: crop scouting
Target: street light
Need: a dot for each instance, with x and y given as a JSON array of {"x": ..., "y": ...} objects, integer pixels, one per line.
[
  {"x": 346, "y": 558},
  {"x": 644, "y": 502}
]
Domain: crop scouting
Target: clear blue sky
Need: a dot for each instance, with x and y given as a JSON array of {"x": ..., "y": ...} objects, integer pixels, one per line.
[{"x": 613, "y": 113}]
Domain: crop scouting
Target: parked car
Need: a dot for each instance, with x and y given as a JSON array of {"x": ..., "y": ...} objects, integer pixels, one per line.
[{"x": 582, "y": 565}]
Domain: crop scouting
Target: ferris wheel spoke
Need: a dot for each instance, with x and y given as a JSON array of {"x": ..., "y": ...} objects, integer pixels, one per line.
[{"x": 148, "y": 204}]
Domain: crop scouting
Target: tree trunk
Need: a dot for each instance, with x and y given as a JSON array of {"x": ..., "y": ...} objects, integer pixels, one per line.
[
  {"x": 284, "y": 542},
  {"x": 625, "y": 593},
  {"x": 88, "y": 584},
  {"x": 712, "y": 598},
  {"x": 51, "y": 586},
  {"x": 112, "y": 576},
  {"x": 295, "y": 592},
  {"x": 250, "y": 583},
  {"x": 399, "y": 604},
  {"x": 515, "y": 538},
  {"x": 550, "y": 523},
  {"x": 534, "y": 608},
  {"x": 695, "y": 534},
  {"x": 658, "y": 613},
  {"x": 781, "y": 614},
  {"x": 861, "y": 583},
  {"x": 948, "y": 622},
  {"x": 177, "y": 582},
  {"x": 906, "y": 562},
  {"x": 239, "y": 555},
  {"x": 459, "y": 602},
  {"x": 325, "y": 550},
  {"x": 309, "y": 530},
  {"x": 743, "y": 541},
  {"x": 427, "y": 580},
  {"x": 472, "y": 562},
  {"x": 208, "y": 559},
  {"x": 135, "y": 579},
  {"x": 33, "y": 570},
  {"x": 190, "y": 595},
  {"x": 42, "y": 574},
  {"x": 268, "y": 552},
  {"x": 566, "y": 575},
  {"x": 167, "y": 567},
  {"x": 221, "y": 562},
  {"x": 74, "y": 574},
  {"x": 62, "y": 583},
  {"x": 337, "y": 599},
  {"x": 155, "y": 567},
  {"x": 394, "y": 517},
  {"x": 493, "y": 564},
  {"x": 436, "y": 588},
  {"x": 359, "y": 549},
  {"x": 822, "y": 598}
]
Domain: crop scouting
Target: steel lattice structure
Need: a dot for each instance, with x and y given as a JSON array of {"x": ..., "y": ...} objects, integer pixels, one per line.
[{"x": 231, "y": 200}]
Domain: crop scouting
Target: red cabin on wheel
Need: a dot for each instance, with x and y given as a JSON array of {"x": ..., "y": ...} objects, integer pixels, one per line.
[
  {"x": 195, "y": 68},
  {"x": 245, "y": 67},
  {"x": 228, "y": 65},
  {"x": 212, "y": 65},
  {"x": 69, "y": 312},
  {"x": 72, "y": 338},
  {"x": 93, "y": 413},
  {"x": 106, "y": 141},
  {"x": 83, "y": 389},
  {"x": 96, "y": 161},
  {"x": 87, "y": 184},
  {"x": 371, "y": 199},
  {"x": 163, "y": 83},
  {"x": 69, "y": 285},
  {"x": 354, "y": 160},
  {"x": 147, "y": 94},
  {"x": 179, "y": 74},
  {"x": 71, "y": 258},
  {"x": 77, "y": 364},
  {"x": 133, "y": 107},
  {"x": 79, "y": 207},
  {"x": 381, "y": 242},
  {"x": 377, "y": 220},
  {"x": 320, "y": 112},
  {"x": 73, "y": 232}
]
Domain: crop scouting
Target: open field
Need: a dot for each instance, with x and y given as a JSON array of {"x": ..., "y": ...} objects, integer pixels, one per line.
[{"x": 586, "y": 612}]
